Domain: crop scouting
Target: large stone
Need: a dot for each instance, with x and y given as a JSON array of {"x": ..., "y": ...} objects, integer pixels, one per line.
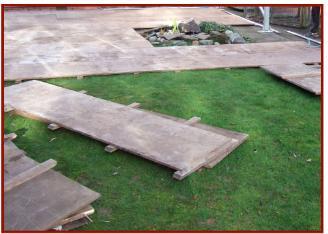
[
  {"x": 189, "y": 26},
  {"x": 219, "y": 36},
  {"x": 189, "y": 37},
  {"x": 152, "y": 39},
  {"x": 234, "y": 38},
  {"x": 206, "y": 42},
  {"x": 202, "y": 36},
  {"x": 179, "y": 43},
  {"x": 170, "y": 36}
]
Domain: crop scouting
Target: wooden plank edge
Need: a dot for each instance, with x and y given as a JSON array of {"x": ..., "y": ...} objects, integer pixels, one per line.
[
  {"x": 231, "y": 148},
  {"x": 8, "y": 108},
  {"x": 29, "y": 174},
  {"x": 53, "y": 126},
  {"x": 89, "y": 210},
  {"x": 110, "y": 148},
  {"x": 192, "y": 121},
  {"x": 10, "y": 136}
]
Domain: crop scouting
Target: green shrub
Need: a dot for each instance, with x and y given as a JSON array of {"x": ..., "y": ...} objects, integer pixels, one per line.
[{"x": 208, "y": 26}]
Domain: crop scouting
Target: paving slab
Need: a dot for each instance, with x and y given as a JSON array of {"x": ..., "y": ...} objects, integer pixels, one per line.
[{"x": 179, "y": 146}]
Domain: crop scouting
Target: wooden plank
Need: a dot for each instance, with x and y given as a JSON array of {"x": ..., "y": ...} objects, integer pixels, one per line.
[
  {"x": 164, "y": 141},
  {"x": 110, "y": 148},
  {"x": 35, "y": 204},
  {"x": 10, "y": 136},
  {"x": 29, "y": 174},
  {"x": 292, "y": 70},
  {"x": 137, "y": 60},
  {"x": 53, "y": 126},
  {"x": 8, "y": 108},
  {"x": 311, "y": 84},
  {"x": 307, "y": 77},
  {"x": 134, "y": 105},
  {"x": 193, "y": 120},
  {"x": 86, "y": 211}
]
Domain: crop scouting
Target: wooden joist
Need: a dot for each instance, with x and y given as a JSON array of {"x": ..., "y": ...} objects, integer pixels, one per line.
[{"x": 29, "y": 174}]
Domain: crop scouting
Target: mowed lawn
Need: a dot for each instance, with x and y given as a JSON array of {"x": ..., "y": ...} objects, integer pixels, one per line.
[{"x": 271, "y": 182}]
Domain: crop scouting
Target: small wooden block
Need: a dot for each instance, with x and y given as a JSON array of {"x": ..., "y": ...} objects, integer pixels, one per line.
[
  {"x": 110, "y": 148},
  {"x": 83, "y": 91},
  {"x": 29, "y": 174},
  {"x": 134, "y": 105},
  {"x": 10, "y": 136},
  {"x": 8, "y": 108},
  {"x": 53, "y": 126},
  {"x": 193, "y": 120},
  {"x": 179, "y": 175},
  {"x": 80, "y": 77}
]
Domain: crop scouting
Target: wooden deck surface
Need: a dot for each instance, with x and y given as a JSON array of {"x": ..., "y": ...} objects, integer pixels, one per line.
[
  {"x": 50, "y": 44},
  {"x": 176, "y": 145},
  {"x": 41, "y": 202}
]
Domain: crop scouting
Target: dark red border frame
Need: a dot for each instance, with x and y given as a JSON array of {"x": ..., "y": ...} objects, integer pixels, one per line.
[{"x": 163, "y": 5}]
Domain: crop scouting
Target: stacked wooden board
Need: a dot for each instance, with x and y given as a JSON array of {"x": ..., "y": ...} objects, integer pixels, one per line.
[
  {"x": 170, "y": 142},
  {"x": 38, "y": 198},
  {"x": 305, "y": 76}
]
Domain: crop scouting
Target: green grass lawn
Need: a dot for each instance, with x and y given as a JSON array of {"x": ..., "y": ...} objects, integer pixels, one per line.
[{"x": 270, "y": 182}]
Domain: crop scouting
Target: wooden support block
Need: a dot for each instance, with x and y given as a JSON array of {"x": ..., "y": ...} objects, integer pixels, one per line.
[
  {"x": 53, "y": 126},
  {"x": 80, "y": 77},
  {"x": 10, "y": 136},
  {"x": 179, "y": 175},
  {"x": 8, "y": 108},
  {"x": 193, "y": 120},
  {"x": 29, "y": 174},
  {"x": 110, "y": 148},
  {"x": 134, "y": 105},
  {"x": 83, "y": 91},
  {"x": 89, "y": 210}
]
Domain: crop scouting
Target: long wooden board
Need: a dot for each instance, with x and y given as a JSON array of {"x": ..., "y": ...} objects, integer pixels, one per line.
[
  {"x": 29, "y": 174},
  {"x": 176, "y": 145},
  {"x": 43, "y": 61},
  {"x": 42, "y": 202},
  {"x": 307, "y": 77}
]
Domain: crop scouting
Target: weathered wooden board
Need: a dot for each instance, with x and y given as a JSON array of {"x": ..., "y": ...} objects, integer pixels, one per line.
[
  {"x": 29, "y": 174},
  {"x": 179, "y": 146},
  {"x": 305, "y": 76},
  {"x": 51, "y": 44},
  {"x": 43, "y": 201},
  {"x": 292, "y": 70},
  {"x": 45, "y": 63}
]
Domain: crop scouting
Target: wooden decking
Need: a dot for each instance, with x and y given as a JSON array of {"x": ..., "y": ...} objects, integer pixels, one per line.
[
  {"x": 39, "y": 200},
  {"x": 182, "y": 146}
]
